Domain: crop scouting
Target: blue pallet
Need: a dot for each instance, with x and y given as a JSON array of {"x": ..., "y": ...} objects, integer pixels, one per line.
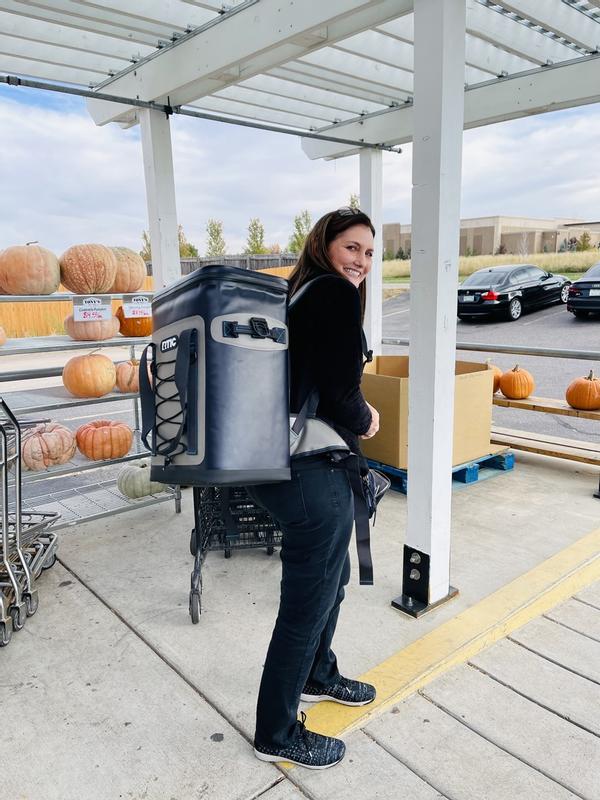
[{"x": 463, "y": 473}]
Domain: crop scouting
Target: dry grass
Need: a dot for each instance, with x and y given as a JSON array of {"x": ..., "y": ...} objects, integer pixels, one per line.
[{"x": 553, "y": 262}]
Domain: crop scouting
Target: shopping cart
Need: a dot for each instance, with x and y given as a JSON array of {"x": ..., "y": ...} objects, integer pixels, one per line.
[
  {"x": 27, "y": 546},
  {"x": 225, "y": 518}
]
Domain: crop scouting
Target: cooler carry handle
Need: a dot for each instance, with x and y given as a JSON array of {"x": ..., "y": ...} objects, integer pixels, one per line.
[{"x": 147, "y": 397}]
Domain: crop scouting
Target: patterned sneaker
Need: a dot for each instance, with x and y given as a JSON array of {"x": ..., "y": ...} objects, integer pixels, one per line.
[
  {"x": 310, "y": 750},
  {"x": 344, "y": 691}
]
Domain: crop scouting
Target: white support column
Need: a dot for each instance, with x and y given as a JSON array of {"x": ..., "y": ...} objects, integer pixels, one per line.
[
  {"x": 160, "y": 196},
  {"x": 437, "y": 152},
  {"x": 371, "y": 194}
]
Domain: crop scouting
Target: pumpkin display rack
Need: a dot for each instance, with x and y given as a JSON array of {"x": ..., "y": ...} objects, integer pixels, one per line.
[
  {"x": 87, "y": 489},
  {"x": 27, "y": 542},
  {"x": 225, "y": 518}
]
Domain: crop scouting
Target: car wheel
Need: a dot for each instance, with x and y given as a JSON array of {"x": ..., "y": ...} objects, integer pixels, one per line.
[
  {"x": 581, "y": 314},
  {"x": 564, "y": 293},
  {"x": 515, "y": 309}
]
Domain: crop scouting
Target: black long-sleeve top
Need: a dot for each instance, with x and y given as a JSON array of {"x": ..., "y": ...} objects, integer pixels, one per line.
[{"x": 326, "y": 351}]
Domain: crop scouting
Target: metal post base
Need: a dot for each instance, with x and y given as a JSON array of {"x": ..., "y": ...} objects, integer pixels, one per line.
[
  {"x": 415, "y": 608},
  {"x": 597, "y": 494}
]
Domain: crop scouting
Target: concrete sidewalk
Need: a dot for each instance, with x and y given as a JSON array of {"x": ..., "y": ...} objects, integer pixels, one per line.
[{"x": 110, "y": 692}]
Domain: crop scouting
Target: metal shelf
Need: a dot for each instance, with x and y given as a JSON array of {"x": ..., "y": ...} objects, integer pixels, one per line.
[
  {"x": 50, "y": 398},
  {"x": 50, "y": 344},
  {"x": 103, "y": 499},
  {"x": 64, "y": 297}
]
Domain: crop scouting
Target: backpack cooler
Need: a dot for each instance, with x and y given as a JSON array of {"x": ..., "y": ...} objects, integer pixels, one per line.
[{"x": 215, "y": 404}]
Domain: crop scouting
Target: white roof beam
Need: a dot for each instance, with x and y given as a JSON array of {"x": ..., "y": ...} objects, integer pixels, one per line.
[
  {"x": 50, "y": 54},
  {"x": 276, "y": 87},
  {"x": 352, "y": 66},
  {"x": 247, "y": 111},
  {"x": 48, "y": 72},
  {"x": 560, "y": 18},
  {"x": 171, "y": 14},
  {"x": 239, "y": 46},
  {"x": 313, "y": 77},
  {"x": 265, "y": 100},
  {"x": 536, "y": 92}
]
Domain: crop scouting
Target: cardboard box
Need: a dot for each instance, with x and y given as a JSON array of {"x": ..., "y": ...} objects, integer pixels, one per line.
[{"x": 385, "y": 387}]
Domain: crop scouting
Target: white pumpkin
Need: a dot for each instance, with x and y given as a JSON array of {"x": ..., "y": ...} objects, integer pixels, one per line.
[{"x": 134, "y": 481}]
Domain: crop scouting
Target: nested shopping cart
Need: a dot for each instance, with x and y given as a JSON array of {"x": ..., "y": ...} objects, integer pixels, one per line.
[
  {"x": 225, "y": 518},
  {"x": 27, "y": 545}
]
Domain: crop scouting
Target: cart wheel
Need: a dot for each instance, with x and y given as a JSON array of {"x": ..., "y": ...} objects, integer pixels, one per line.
[
  {"x": 270, "y": 550},
  {"x": 32, "y": 602},
  {"x": 5, "y": 634},
  {"x": 51, "y": 563},
  {"x": 227, "y": 553},
  {"x": 19, "y": 616},
  {"x": 195, "y": 607},
  {"x": 193, "y": 544}
]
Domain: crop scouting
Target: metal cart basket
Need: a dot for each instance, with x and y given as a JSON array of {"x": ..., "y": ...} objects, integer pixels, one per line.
[{"x": 225, "y": 518}]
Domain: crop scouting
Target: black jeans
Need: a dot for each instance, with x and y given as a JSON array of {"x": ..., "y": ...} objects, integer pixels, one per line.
[{"x": 315, "y": 512}]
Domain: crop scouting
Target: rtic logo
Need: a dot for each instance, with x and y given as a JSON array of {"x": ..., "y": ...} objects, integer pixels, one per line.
[
  {"x": 169, "y": 344},
  {"x": 92, "y": 301}
]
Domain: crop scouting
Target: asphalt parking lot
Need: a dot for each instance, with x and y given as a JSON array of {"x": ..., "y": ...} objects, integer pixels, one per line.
[{"x": 554, "y": 327}]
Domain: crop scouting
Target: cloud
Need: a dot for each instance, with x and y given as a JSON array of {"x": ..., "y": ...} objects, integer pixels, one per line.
[{"x": 65, "y": 181}]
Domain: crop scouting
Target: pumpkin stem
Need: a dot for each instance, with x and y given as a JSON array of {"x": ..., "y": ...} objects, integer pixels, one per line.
[{"x": 516, "y": 368}]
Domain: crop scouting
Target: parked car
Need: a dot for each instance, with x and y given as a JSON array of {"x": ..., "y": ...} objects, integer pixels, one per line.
[
  {"x": 584, "y": 293},
  {"x": 510, "y": 289}
]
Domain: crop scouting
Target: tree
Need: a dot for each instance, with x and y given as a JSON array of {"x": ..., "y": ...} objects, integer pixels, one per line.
[
  {"x": 584, "y": 242},
  {"x": 186, "y": 249},
  {"x": 215, "y": 243},
  {"x": 255, "y": 243},
  {"x": 523, "y": 244},
  {"x": 146, "y": 252},
  {"x": 302, "y": 226},
  {"x": 274, "y": 249},
  {"x": 354, "y": 201}
]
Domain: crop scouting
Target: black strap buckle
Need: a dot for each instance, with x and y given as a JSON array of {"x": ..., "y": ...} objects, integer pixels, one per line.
[{"x": 259, "y": 327}]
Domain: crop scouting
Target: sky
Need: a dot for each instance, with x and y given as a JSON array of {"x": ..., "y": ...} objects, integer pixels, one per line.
[{"x": 65, "y": 181}]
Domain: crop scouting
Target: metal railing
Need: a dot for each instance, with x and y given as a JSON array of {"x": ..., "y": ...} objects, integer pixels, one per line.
[
  {"x": 482, "y": 347},
  {"x": 251, "y": 262}
]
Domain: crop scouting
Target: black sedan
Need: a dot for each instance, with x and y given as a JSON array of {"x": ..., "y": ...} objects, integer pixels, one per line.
[
  {"x": 508, "y": 290},
  {"x": 584, "y": 294}
]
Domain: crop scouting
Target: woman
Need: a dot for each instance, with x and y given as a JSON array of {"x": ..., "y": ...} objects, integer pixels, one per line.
[{"x": 315, "y": 509}]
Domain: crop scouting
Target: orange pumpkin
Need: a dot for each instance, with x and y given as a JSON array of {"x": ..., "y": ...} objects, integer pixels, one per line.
[
  {"x": 92, "y": 375},
  {"x": 131, "y": 270},
  {"x": 93, "y": 330},
  {"x": 497, "y": 375},
  {"x": 584, "y": 393},
  {"x": 128, "y": 376},
  {"x": 104, "y": 439},
  {"x": 28, "y": 269},
  {"x": 517, "y": 383},
  {"x": 2, "y": 336},
  {"x": 88, "y": 268},
  {"x": 134, "y": 326},
  {"x": 47, "y": 445}
]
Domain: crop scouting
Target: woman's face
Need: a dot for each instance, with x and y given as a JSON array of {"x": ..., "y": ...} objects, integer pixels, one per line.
[{"x": 351, "y": 253}]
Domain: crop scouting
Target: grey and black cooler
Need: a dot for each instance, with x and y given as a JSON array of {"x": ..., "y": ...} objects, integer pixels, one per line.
[{"x": 215, "y": 395}]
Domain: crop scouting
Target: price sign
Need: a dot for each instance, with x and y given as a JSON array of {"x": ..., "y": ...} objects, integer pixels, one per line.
[
  {"x": 91, "y": 309},
  {"x": 136, "y": 306}
]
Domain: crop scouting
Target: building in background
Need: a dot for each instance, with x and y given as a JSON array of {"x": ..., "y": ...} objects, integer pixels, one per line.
[{"x": 515, "y": 235}]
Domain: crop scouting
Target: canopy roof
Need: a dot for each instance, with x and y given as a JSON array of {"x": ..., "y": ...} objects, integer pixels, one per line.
[{"x": 342, "y": 67}]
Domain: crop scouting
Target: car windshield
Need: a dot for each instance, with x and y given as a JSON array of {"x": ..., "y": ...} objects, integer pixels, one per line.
[
  {"x": 485, "y": 278},
  {"x": 593, "y": 272}
]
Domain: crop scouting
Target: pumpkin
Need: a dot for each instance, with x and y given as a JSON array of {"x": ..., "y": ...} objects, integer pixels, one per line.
[
  {"x": 2, "y": 336},
  {"x": 47, "y": 445},
  {"x": 28, "y": 269},
  {"x": 134, "y": 481},
  {"x": 92, "y": 375},
  {"x": 128, "y": 376},
  {"x": 497, "y": 375},
  {"x": 134, "y": 326},
  {"x": 91, "y": 330},
  {"x": 584, "y": 393},
  {"x": 517, "y": 383},
  {"x": 131, "y": 270},
  {"x": 104, "y": 439},
  {"x": 88, "y": 268}
]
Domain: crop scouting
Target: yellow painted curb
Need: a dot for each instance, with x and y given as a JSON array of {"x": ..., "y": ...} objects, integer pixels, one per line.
[{"x": 460, "y": 638}]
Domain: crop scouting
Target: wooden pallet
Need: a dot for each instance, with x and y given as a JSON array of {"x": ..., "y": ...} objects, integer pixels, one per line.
[
  {"x": 571, "y": 449},
  {"x": 547, "y": 405},
  {"x": 499, "y": 458}
]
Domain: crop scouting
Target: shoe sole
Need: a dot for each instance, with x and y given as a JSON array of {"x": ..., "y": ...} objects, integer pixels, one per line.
[
  {"x": 316, "y": 698},
  {"x": 266, "y": 757}
]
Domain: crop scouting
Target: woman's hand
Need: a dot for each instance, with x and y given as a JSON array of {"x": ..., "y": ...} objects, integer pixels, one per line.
[{"x": 374, "y": 426}]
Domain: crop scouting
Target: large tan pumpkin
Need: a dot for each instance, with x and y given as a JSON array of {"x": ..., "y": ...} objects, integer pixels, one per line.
[
  {"x": 28, "y": 269},
  {"x": 584, "y": 393},
  {"x": 92, "y": 375},
  {"x": 131, "y": 270},
  {"x": 93, "y": 330},
  {"x": 133, "y": 326},
  {"x": 517, "y": 383},
  {"x": 104, "y": 439},
  {"x": 47, "y": 445},
  {"x": 88, "y": 268},
  {"x": 128, "y": 376},
  {"x": 134, "y": 481}
]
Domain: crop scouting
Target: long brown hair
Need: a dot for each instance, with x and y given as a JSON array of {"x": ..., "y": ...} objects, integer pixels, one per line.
[{"x": 314, "y": 259}]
